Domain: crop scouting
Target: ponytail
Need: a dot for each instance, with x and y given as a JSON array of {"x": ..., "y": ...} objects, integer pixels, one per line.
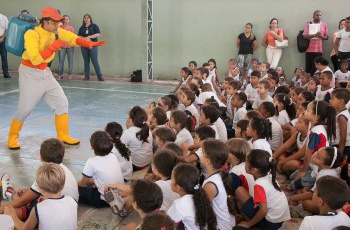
[
  {"x": 190, "y": 123},
  {"x": 139, "y": 118},
  {"x": 123, "y": 150},
  {"x": 115, "y": 130},
  {"x": 143, "y": 134},
  {"x": 331, "y": 123},
  {"x": 226, "y": 179},
  {"x": 273, "y": 166},
  {"x": 205, "y": 216},
  {"x": 287, "y": 104}
]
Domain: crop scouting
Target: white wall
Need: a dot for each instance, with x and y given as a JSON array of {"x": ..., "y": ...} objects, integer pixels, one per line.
[{"x": 185, "y": 30}]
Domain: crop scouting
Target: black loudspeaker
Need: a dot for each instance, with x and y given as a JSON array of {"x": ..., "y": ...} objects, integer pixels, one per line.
[{"x": 136, "y": 76}]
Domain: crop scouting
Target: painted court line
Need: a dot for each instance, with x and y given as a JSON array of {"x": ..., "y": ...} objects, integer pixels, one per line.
[
  {"x": 112, "y": 90},
  {"x": 8, "y": 92}
]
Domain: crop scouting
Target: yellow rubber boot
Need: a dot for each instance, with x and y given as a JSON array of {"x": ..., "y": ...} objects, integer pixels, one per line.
[
  {"x": 13, "y": 142},
  {"x": 62, "y": 130}
]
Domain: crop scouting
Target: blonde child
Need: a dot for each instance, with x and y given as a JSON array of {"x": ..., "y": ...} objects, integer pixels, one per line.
[
  {"x": 186, "y": 76},
  {"x": 50, "y": 178},
  {"x": 193, "y": 208},
  {"x": 262, "y": 96},
  {"x": 138, "y": 138},
  {"x": 268, "y": 209},
  {"x": 214, "y": 157},
  {"x": 232, "y": 70},
  {"x": 259, "y": 129},
  {"x": 339, "y": 98},
  {"x": 239, "y": 149},
  {"x": 181, "y": 122},
  {"x": 285, "y": 108}
]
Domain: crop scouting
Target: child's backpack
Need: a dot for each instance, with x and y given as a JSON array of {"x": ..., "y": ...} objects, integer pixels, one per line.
[
  {"x": 17, "y": 27},
  {"x": 302, "y": 43}
]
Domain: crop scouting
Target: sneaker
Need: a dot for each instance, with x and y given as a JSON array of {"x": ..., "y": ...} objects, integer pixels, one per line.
[
  {"x": 6, "y": 189},
  {"x": 115, "y": 201}
]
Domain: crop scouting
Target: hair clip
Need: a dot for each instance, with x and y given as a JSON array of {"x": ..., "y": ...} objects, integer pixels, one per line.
[
  {"x": 334, "y": 157},
  {"x": 270, "y": 159},
  {"x": 196, "y": 187}
]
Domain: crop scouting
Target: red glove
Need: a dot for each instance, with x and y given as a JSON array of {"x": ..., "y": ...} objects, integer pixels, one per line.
[
  {"x": 56, "y": 45},
  {"x": 89, "y": 44}
]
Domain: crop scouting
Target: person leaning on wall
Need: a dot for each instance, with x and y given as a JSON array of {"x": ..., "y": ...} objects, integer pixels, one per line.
[{"x": 273, "y": 54}]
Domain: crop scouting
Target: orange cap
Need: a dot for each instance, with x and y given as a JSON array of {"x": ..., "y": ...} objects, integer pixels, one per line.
[{"x": 50, "y": 12}]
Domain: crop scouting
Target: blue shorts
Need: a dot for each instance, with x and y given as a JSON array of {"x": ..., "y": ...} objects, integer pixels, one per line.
[{"x": 306, "y": 181}]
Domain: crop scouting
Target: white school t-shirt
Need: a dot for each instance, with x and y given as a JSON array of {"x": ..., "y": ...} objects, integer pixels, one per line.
[
  {"x": 239, "y": 114},
  {"x": 168, "y": 194},
  {"x": 6, "y": 222},
  {"x": 70, "y": 186},
  {"x": 125, "y": 165},
  {"x": 325, "y": 221},
  {"x": 321, "y": 94},
  {"x": 258, "y": 101},
  {"x": 216, "y": 131},
  {"x": 229, "y": 111},
  {"x": 104, "y": 170},
  {"x": 240, "y": 170},
  {"x": 345, "y": 113},
  {"x": 251, "y": 92},
  {"x": 221, "y": 128},
  {"x": 262, "y": 144},
  {"x": 225, "y": 220},
  {"x": 264, "y": 77},
  {"x": 61, "y": 213},
  {"x": 344, "y": 43},
  {"x": 183, "y": 210},
  {"x": 192, "y": 109},
  {"x": 205, "y": 95},
  {"x": 341, "y": 77},
  {"x": 141, "y": 152},
  {"x": 326, "y": 172},
  {"x": 300, "y": 143},
  {"x": 184, "y": 136},
  {"x": 283, "y": 117},
  {"x": 277, "y": 203},
  {"x": 277, "y": 134}
]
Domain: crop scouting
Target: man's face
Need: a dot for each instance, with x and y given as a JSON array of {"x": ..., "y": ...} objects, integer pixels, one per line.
[
  {"x": 347, "y": 24},
  {"x": 317, "y": 16}
]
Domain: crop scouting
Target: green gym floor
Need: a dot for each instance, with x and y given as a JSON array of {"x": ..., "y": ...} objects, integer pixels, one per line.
[{"x": 92, "y": 105}]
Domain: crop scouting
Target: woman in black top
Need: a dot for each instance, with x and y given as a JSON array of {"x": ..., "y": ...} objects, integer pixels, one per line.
[
  {"x": 90, "y": 31},
  {"x": 246, "y": 43}
]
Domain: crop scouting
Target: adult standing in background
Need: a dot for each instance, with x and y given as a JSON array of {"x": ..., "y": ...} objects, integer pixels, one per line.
[
  {"x": 246, "y": 43},
  {"x": 90, "y": 31},
  {"x": 273, "y": 54},
  {"x": 316, "y": 31},
  {"x": 334, "y": 56},
  {"x": 65, "y": 50},
  {"x": 3, "y": 52},
  {"x": 342, "y": 43}
]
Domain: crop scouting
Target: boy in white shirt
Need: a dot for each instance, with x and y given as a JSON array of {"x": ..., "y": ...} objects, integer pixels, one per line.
[
  {"x": 324, "y": 89},
  {"x": 330, "y": 195},
  {"x": 263, "y": 95},
  {"x": 252, "y": 88},
  {"x": 55, "y": 211},
  {"x": 342, "y": 76},
  {"x": 99, "y": 170},
  {"x": 239, "y": 99},
  {"x": 232, "y": 89},
  {"x": 263, "y": 68},
  {"x": 51, "y": 151}
]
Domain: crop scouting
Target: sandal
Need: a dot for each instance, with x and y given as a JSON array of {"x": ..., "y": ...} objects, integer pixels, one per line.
[{"x": 116, "y": 202}]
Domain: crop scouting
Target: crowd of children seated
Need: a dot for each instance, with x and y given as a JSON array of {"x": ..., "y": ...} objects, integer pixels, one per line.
[{"x": 210, "y": 152}]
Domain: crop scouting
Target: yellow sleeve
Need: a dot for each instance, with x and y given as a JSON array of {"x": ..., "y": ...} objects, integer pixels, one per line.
[
  {"x": 67, "y": 37},
  {"x": 32, "y": 49}
]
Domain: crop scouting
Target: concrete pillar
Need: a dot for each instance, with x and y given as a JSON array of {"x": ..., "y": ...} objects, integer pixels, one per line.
[{"x": 147, "y": 39}]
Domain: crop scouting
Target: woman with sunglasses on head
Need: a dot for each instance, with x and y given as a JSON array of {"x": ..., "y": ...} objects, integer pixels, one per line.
[
  {"x": 35, "y": 78},
  {"x": 90, "y": 31}
]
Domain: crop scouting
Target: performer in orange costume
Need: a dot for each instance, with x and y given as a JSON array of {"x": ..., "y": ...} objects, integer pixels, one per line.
[{"x": 35, "y": 78}]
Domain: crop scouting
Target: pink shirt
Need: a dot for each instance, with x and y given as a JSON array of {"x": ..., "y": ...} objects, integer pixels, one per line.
[
  {"x": 315, "y": 45},
  {"x": 69, "y": 28}
]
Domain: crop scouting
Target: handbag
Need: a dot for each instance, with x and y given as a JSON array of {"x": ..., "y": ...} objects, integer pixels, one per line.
[{"x": 282, "y": 44}]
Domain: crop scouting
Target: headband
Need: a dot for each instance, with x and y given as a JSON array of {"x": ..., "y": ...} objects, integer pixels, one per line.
[{"x": 334, "y": 157}]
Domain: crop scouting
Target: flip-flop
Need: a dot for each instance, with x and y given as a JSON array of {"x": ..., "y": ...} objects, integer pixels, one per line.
[{"x": 116, "y": 202}]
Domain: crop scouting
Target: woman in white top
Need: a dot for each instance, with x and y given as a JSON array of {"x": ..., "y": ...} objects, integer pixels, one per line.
[
  {"x": 138, "y": 138},
  {"x": 120, "y": 150},
  {"x": 333, "y": 55}
]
